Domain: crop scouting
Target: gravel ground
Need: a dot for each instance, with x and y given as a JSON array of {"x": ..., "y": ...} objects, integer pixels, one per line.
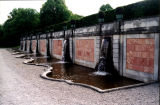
[{"x": 21, "y": 84}]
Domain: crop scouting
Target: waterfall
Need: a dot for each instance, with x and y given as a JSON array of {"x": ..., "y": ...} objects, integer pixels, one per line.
[
  {"x": 102, "y": 64},
  {"x": 66, "y": 55},
  {"x": 64, "y": 50}
]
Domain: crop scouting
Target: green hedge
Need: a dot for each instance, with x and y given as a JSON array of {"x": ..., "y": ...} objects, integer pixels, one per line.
[{"x": 132, "y": 11}]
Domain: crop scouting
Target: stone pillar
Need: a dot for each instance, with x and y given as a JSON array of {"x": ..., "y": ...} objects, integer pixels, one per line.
[
  {"x": 116, "y": 52},
  {"x": 159, "y": 61},
  {"x": 37, "y": 44}
]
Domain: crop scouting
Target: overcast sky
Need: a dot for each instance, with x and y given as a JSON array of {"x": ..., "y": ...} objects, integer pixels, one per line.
[{"x": 81, "y": 7}]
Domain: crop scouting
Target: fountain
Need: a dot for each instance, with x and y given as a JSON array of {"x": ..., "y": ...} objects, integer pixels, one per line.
[
  {"x": 83, "y": 76},
  {"x": 25, "y": 48},
  {"x": 66, "y": 55},
  {"x": 48, "y": 47},
  {"x": 105, "y": 64},
  {"x": 21, "y": 43},
  {"x": 30, "y": 45}
]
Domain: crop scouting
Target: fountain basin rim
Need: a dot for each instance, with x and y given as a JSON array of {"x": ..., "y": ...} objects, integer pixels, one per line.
[
  {"x": 20, "y": 56},
  {"x": 47, "y": 71}
]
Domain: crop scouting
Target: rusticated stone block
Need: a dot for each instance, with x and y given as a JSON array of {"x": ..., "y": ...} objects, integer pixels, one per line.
[
  {"x": 140, "y": 54},
  {"x": 57, "y": 47},
  {"x": 85, "y": 49},
  {"x": 130, "y": 47},
  {"x": 34, "y": 45},
  {"x": 131, "y": 41},
  {"x": 43, "y": 46}
]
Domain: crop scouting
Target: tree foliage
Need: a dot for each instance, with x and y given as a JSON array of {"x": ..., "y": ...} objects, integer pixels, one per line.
[
  {"x": 1, "y": 31},
  {"x": 136, "y": 10},
  {"x": 21, "y": 21},
  {"x": 75, "y": 17},
  {"x": 54, "y": 12},
  {"x": 106, "y": 7}
]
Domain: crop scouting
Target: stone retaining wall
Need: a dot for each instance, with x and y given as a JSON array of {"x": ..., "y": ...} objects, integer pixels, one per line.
[
  {"x": 34, "y": 45},
  {"x": 135, "y": 49},
  {"x": 57, "y": 48}
]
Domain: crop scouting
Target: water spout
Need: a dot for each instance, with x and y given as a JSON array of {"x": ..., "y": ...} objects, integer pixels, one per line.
[
  {"x": 101, "y": 70},
  {"x": 66, "y": 55},
  {"x": 104, "y": 53}
]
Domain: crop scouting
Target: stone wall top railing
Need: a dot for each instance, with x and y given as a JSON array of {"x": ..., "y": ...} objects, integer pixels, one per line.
[
  {"x": 34, "y": 37},
  {"x": 147, "y": 22},
  {"x": 147, "y": 25},
  {"x": 136, "y": 26},
  {"x": 58, "y": 34},
  {"x": 42, "y": 36},
  {"x": 109, "y": 26},
  {"x": 87, "y": 29}
]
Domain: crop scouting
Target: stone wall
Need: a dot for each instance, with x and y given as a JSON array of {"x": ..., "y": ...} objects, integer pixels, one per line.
[
  {"x": 86, "y": 51},
  {"x": 28, "y": 46},
  {"x": 43, "y": 47},
  {"x": 135, "y": 48},
  {"x": 34, "y": 44},
  {"x": 140, "y": 49},
  {"x": 23, "y": 45},
  {"x": 57, "y": 48},
  {"x": 140, "y": 56}
]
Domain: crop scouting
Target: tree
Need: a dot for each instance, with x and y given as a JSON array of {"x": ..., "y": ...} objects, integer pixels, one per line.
[
  {"x": 106, "y": 7},
  {"x": 21, "y": 21},
  {"x": 54, "y": 12},
  {"x": 75, "y": 17},
  {"x": 1, "y": 32}
]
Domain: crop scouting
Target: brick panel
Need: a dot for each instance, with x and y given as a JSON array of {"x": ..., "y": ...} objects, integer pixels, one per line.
[
  {"x": 85, "y": 49},
  {"x": 43, "y": 46},
  {"x": 57, "y": 47},
  {"x": 34, "y": 45},
  {"x": 140, "y": 54}
]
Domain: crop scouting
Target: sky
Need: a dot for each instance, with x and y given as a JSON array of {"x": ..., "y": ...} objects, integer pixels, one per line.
[{"x": 81, "y": 7}]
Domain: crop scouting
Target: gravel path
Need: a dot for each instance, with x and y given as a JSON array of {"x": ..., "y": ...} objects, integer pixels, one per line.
[{"x": 21, "y": 84}]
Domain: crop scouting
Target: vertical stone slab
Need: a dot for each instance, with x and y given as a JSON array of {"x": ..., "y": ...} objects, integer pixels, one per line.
[
  {"x": 140, "y": 57},
  {"x": 43, "y": 49},
  {"x": 28, "y": 45},
  {"x": 23, "y": 45},
  {"x": 57, "y": 47},
  {"x": 116, "y": 45},
  {"x": 140, "y": 54},
  {"x": 34, "y": 43},
  {"x": 85, "y": 49}
]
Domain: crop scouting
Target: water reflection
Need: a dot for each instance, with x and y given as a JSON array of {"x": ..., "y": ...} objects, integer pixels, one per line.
[{"x": 80, "y": 74}]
